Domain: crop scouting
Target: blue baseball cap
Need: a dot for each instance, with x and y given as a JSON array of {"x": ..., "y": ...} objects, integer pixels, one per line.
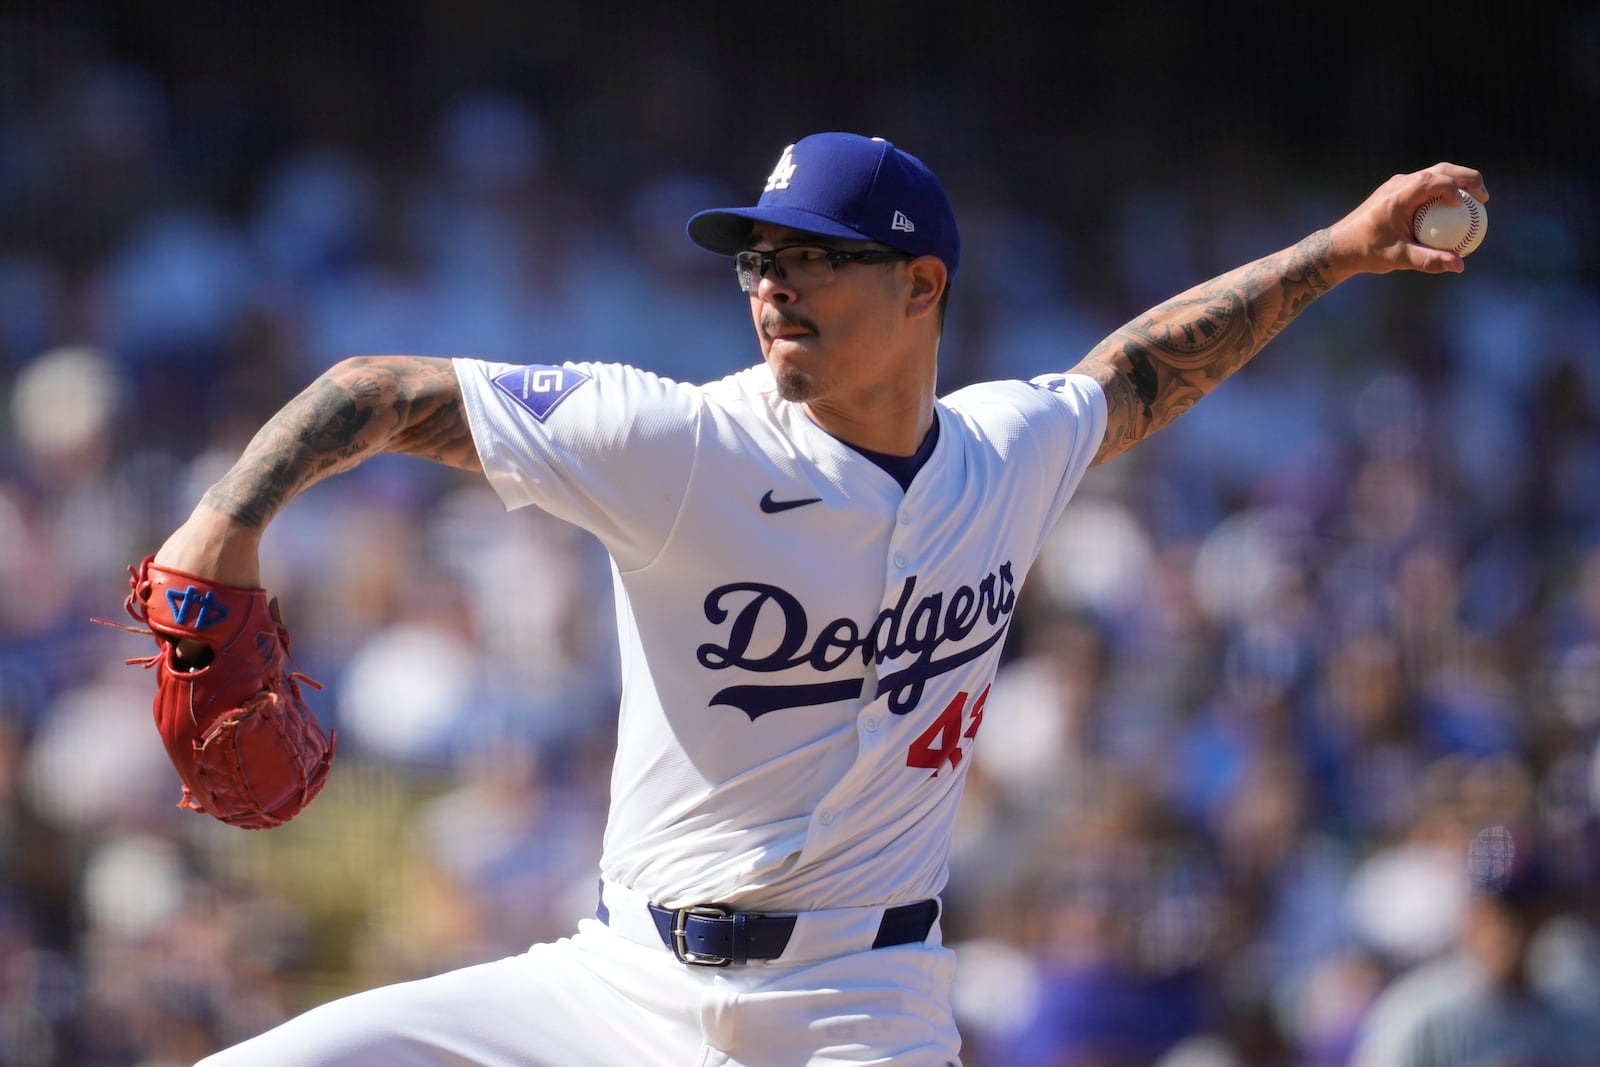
[
  {"x": 848, "y": 186},
  {"x": 1511, "y": 864}
]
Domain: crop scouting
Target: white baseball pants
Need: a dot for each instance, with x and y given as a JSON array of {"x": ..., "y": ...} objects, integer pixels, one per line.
[{"x": 615, "y": 996}]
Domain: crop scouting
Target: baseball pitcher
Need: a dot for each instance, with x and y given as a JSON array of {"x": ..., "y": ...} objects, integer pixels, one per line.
[{"x": 815, "y": 562}]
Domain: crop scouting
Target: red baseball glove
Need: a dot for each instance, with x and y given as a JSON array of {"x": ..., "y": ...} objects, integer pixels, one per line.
[{"x": 248, "y": 749}]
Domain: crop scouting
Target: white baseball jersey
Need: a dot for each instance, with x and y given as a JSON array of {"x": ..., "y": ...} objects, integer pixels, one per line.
[{"x": 806, "y": 648}]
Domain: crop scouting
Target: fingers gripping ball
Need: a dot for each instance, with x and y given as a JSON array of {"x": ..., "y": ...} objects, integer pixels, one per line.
[
  {"x": 1454, "y": 223},
  {"x": 246, "y": 747}
]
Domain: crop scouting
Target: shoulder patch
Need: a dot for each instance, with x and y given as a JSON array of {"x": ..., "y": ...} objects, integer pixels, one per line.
[
  {"x": 1055, "y": 383},
  {"x": 540, "y": 387}
]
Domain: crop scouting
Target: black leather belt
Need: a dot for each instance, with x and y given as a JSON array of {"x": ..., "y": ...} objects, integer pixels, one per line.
[{"x": 711, "y": 936}]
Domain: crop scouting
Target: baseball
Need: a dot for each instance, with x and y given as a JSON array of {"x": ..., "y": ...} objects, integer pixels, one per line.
[{"x": 1456, "y": 224}]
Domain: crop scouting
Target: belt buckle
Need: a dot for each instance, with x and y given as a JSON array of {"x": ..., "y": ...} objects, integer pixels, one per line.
[{"x": 680, "y": 935}]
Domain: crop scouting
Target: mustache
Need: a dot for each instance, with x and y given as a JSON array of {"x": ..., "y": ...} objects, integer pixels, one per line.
[{"x": 774, "y": 320}]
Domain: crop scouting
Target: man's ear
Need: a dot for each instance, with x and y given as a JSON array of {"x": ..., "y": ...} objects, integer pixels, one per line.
[{"x": 928, "y": 281}]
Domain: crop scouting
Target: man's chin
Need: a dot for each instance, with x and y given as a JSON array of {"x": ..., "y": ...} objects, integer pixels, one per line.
[{"x": 794, "y": 385}]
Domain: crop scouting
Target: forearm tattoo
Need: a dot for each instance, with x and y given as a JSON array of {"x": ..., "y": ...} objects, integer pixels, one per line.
[
  {"x": 359, "y": 408},
  {"x": 1159, "y": 365}
]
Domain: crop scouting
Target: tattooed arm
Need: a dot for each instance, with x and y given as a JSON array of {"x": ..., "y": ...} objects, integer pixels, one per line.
[
  {"x": 359, "y": 408},
  {"x": 1158, "y": 365}
]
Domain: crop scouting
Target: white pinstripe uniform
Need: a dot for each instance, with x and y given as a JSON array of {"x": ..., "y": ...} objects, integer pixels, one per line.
[{"x": 807, "y": 650}]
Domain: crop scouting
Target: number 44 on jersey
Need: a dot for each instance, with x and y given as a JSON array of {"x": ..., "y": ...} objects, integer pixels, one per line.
[{"x": 940, "y": 743}]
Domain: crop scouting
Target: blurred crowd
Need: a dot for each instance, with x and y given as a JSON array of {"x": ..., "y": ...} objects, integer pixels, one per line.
[{"x": 1275, "y": 676}]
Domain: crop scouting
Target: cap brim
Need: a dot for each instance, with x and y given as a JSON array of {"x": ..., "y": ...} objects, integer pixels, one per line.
[{"x": 727, "y": 230}]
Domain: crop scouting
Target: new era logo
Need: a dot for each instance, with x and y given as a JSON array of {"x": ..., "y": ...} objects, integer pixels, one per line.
[{"x": 900, "y": 222}]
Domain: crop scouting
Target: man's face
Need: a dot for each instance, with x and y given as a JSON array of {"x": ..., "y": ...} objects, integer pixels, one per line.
[
  {"x": 824, "y": 328},
  {"x": 1498, "y": 935}
]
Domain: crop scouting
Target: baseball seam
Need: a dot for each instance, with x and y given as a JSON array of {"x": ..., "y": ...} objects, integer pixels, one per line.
[{"x": 1474, "y": 215}]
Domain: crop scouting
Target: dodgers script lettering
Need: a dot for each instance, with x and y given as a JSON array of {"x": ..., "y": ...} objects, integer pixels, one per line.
[{"x": 915, "y": 627}]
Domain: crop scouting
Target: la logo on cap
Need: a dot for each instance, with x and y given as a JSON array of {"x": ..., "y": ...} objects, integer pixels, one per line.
[{"x": 783, "y": 172}]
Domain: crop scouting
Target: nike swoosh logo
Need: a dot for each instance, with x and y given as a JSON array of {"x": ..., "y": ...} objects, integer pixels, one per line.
[{"x": 772, "y": 507}]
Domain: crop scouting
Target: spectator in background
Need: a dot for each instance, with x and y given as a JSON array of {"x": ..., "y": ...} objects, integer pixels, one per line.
[
  {"x": 1123, "y": 919},
  {"x": 1493, "y": 999}
]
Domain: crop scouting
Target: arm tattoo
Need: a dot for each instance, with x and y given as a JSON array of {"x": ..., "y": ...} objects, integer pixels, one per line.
[
  {"x": 356, "y": 410},
  {"x": 1160, "y": 364}
]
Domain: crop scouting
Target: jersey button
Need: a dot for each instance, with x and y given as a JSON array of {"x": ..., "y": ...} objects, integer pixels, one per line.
[
  {"x": 870, "y": 722},
  {"x": 825, "y": 817},
  {"x": 900, "y": 561}
]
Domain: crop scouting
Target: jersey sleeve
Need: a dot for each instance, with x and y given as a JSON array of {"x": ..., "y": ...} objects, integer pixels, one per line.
[
  {"x": 607, "y": 447},
  {"x": 1070, "y": 429}
]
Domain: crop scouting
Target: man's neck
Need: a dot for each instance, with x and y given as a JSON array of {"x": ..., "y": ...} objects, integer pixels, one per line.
[{"x": 892, "y": 432}]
